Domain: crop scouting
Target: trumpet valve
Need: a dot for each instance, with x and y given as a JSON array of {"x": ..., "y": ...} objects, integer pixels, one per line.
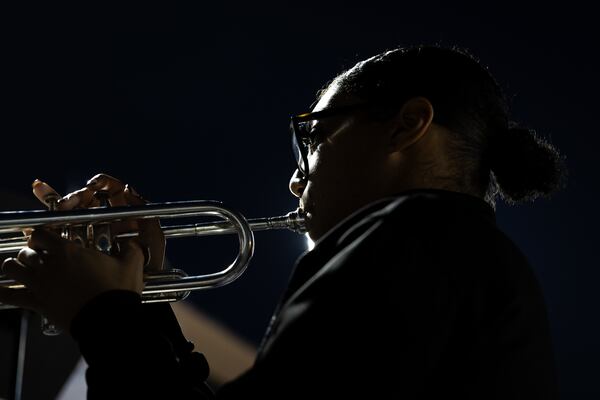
[{"x": 100, "y": 234}]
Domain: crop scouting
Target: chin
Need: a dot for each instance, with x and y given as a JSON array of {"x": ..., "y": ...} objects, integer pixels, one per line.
[
  {"x": 310, "y": 244},
  {"x": 311, "y": 234},
  {"x": 316, "y": 228},
  {"x": 314, "y": 233}
]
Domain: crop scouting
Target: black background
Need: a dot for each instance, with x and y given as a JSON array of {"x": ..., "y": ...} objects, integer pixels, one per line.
[{"x": 193, "y": 103}]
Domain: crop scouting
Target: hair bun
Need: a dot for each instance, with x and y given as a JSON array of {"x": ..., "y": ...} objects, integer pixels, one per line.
[{"x": 525, "y": 165}]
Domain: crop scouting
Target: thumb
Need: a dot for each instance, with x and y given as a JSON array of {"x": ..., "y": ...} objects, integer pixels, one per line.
[
  {"x": 132, "y": 254},
  {"x": 131, "y": 258}
]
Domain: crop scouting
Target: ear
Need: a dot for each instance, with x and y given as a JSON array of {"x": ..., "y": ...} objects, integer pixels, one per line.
[{"x": 411, "y": 123}]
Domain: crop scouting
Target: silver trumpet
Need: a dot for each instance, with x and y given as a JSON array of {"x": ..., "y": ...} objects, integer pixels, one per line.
[{"x": 91, "y": 227}]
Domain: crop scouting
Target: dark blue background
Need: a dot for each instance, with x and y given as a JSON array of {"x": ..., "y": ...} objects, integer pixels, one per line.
[{"x": 194, "y": 104}]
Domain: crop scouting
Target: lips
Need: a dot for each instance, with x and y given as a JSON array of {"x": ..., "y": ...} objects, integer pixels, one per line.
[
  {"x": 304, "y": 208},
  {"x": 306, "y": 211}
]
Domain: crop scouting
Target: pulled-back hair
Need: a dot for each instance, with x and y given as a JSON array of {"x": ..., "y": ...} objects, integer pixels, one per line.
[{"x": 490, "y": 154}]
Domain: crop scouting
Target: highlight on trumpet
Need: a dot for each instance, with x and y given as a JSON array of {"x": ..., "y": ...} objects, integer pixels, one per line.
[{"x": 91, "y": 228}]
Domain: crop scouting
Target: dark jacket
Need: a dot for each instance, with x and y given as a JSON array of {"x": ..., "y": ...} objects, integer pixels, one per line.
[{"x": 413, "y": 297}]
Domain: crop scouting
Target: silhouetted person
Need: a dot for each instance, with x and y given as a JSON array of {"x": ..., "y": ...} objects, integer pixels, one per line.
[{"x": 411, "y": 290}]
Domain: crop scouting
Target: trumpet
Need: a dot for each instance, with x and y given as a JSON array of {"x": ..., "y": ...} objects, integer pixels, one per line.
[{"x": 91, "y": 227}]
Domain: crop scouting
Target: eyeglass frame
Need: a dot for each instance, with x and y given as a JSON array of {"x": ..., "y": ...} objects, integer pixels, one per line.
[{"x": 295, "y": 120}]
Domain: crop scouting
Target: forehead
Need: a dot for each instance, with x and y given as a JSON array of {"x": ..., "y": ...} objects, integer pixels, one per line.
[
  {"x": 333, "y": 97},
  {"x": 327, "y": 98}
]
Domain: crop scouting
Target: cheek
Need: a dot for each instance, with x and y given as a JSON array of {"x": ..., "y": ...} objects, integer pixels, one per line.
[
  {"x": 339, "y": 165},
  {"x": 318, "y": 163},
  {"x": 347, "y": 173},
  {"x": 331, "y": 175}
]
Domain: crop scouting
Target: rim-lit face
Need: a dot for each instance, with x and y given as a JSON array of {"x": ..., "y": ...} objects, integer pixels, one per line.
[{"x": 347, "y": 167}]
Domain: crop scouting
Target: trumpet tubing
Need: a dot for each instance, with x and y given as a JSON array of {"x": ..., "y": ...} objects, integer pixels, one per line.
[{"x": 164, "y": 285}]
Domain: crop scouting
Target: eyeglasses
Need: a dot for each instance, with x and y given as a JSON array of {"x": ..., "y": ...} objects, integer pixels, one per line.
[{"x": 304, "y": 136}]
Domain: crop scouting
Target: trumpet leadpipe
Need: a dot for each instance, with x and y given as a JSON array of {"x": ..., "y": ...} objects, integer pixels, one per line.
[
  {"x": 293, "y": 221},
  {"x": 14, "y": 222},
  {"x": 164, "y": 285}
]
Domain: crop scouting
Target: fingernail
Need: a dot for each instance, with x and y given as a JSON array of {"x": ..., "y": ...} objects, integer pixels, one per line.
[
  {"x": 69, "y": 201},
  {"x": 147, "y": 255},
  {"x": 36, "y": 182}
]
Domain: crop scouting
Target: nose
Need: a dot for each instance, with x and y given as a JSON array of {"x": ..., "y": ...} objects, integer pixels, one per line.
[{"x": 297, "y": 185}]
